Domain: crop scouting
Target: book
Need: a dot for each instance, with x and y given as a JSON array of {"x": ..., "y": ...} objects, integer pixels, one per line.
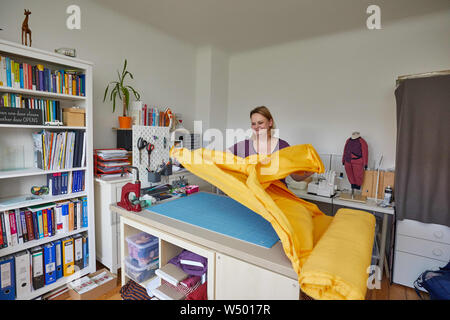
[
  {"x": 171, "y": 273},
  {"x": 165, "y": 292}
]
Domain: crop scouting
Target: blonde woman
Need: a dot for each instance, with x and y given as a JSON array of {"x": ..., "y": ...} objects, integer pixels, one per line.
[{"x": 262, "y": 140}]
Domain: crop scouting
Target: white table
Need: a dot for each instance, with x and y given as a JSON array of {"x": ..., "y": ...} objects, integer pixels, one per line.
[{"x": 370, "y": 206}]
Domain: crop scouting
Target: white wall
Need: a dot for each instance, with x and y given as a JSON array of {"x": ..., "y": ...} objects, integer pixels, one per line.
[
  {"x": 163, "y": 67},
  {"x": 212, "y": 87},
  {"x": 322, "y": 89}
]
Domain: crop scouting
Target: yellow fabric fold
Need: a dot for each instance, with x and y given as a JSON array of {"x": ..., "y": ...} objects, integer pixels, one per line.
[{"x": 301, "y": 226}]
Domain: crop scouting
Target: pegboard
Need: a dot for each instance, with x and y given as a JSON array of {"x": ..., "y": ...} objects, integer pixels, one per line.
[{"x": 158, "y": 155}]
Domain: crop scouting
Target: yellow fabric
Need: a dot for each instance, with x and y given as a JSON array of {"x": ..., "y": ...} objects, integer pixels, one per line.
[{"x": 303, "y": 229}]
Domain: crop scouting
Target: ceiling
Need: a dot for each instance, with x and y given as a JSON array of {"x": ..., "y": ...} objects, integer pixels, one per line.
[{"x": 240, "y": 25}]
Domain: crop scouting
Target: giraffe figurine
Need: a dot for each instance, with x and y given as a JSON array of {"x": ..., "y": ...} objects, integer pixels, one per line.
[{"x": 25, "y": 29}]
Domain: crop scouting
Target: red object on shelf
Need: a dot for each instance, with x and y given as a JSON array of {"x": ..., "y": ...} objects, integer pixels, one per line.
[
  {"x": 98, "y": 172},
  {"x": 191, "y": 189}
]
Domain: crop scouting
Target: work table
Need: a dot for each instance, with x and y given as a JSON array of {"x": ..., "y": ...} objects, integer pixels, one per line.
[{"x": 273, "y": 259}]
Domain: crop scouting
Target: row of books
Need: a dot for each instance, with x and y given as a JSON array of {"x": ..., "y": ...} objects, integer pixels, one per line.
[
  {"x": 59, "y": 150},
  {"x": 51, "y": 109},
  {"x": 37, "y": 222},
  {"x": 66, "y": 182},
  {"x": 151, "y": 116},
  {"x": 32, "y": 269},
  {"x": 37, "y": 77}
]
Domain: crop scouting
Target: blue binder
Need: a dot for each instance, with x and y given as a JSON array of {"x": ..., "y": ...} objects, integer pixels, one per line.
[
  {"x": 58, "y": 259},
  {"x": 49, "y": 263},
  {"x": 85, "y": 250},
  {"x": 7, "y": 278}
]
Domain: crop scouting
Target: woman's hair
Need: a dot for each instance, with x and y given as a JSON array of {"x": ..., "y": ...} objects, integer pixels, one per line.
[{"x": 264, "y": 111}]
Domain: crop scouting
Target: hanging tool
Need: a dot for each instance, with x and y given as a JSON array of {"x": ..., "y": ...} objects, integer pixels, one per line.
[
  {"x": 149, "y": 149},
  {"x": 131, "y": 187},
  {"x": 141, "y": 144}
]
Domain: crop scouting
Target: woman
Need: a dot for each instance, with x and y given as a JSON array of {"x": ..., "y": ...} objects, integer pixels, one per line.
[{"x": 262, "y": 141}]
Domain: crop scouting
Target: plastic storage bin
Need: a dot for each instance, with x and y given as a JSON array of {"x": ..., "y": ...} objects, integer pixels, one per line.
[
  {"x": 140, "y": 274},
  {"x": 143, "y": 247}
]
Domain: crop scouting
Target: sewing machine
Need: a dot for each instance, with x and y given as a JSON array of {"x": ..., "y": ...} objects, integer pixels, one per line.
[
  {"x": 325, "y": 185},
  {"x": 131, "y": 187}
]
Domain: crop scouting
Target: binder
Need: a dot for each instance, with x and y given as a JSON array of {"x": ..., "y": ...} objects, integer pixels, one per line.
[
  {"x": 49, "y": 263},
  {"x": 37, "y": 267},
  {"x": 71, "y": 216},
  {"x": 7, "y": 278},
  {"x": 50, "y": 213},
  {"x": 85, "y": 251},
  {"x": 78, "y": 251},
  {"x": 58, "y": 219},
  {"x": 13, "y": 228},
  {"x": 23, "y": 274},
  {"x": 68, "y": 259},
  {"x": 30, "y": 225},
  {"x": 79, "y": 213},
  {"x": 45, "y": 222},
  {"x": 58, "y": 259},
  {"x": 40, "y": 224},
  {"x": 85, "y": 212}
]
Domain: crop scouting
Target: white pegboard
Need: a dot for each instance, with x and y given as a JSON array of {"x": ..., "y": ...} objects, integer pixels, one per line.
[{"x": 158, "y": 155}]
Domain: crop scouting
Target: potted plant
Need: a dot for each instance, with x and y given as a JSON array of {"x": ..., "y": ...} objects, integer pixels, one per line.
[{"x": 123, "y": 91}]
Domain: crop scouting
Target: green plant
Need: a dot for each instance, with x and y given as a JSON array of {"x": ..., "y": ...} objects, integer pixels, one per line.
[{"x": 121, "y": 90}]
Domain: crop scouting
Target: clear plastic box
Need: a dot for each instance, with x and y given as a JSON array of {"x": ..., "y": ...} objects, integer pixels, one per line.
[
  {"x": 143, "y": 247},
  {"x": 140, "y": 274}
]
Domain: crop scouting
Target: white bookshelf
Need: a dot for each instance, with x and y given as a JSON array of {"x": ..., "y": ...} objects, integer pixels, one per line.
[{"x": 15, "y": 182}]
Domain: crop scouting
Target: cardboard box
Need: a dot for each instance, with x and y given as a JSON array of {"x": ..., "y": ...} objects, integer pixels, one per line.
[
  {"x": 74, "y": 117},
  {"x": 95, "y": 292}
]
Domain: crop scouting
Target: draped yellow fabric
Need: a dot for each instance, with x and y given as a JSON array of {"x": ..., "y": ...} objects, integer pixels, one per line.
[{"x": 330, "y": 255}]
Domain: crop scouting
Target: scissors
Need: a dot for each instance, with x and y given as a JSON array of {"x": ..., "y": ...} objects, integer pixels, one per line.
[
  {"x": 141, "y": 144},
  {"x": 149, "y": 147}
]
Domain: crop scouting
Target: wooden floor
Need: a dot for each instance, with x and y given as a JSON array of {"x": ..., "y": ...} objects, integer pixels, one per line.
[{"x": 386, "y": 292}]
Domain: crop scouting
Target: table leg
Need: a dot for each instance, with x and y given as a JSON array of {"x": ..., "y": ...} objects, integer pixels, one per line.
[
  {"x": 122, "y": 234},
  {"x": 383, "y": 245}
]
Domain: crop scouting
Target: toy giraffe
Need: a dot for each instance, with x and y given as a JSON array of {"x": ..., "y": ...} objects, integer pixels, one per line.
[{"x": 25, "y": 29}]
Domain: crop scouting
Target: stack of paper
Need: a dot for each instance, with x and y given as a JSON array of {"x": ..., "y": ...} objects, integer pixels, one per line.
[
  {"x": 113, "y": 154},
  {"x": 83, "y": 285},
  {"x": 171, "y": 273},
  {"x": 165, "y": 292}
]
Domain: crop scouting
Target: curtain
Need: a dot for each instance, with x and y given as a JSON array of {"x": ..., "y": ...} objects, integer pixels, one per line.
[{"x": 422, "y": 157}]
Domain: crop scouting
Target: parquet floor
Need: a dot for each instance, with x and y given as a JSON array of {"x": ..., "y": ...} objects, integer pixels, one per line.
[{"x": 386, "y": 292}]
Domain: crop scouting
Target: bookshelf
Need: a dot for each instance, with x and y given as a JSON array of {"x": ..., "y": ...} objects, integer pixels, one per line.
[{"x": 18, "y": 172}]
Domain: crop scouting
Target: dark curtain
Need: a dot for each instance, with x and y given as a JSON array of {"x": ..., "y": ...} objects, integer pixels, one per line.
[{"x": 422, "y": 157}]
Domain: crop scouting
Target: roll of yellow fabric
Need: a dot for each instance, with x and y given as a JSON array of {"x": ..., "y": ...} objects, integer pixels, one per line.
[{"x": 255, "y": 183}]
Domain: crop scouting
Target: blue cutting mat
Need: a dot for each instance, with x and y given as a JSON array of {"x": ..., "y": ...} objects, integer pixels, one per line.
[{"x": 220, "y": 214}]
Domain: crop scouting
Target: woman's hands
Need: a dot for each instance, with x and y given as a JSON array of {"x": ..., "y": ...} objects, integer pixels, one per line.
[{"x": 301, "y": 175}]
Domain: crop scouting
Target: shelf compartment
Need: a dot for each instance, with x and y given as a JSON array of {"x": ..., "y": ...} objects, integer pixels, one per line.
[
  {"x": 34, "y": 243},
  {"x": 43, "y": 94},
  {"x": 44, "y": 199},
  {"x": 58, "y": 283},
  {"x": 32, "y": 172},
  {"x": 18, "y": 126}
]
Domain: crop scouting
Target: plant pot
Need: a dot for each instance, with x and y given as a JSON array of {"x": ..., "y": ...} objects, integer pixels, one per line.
[{"x": 125, "y": 122}]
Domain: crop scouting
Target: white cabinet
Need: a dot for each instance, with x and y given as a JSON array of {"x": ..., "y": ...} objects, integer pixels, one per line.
[
  {"x": 419, "y": 247},
  {"x": 107, "y": 223},
  {"x": 239, "y": 280}
]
